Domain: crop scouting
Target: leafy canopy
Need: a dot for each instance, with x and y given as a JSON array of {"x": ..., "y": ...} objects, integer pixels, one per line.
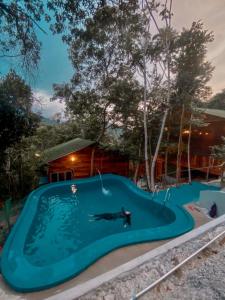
[{"x": 16, "y": 117}]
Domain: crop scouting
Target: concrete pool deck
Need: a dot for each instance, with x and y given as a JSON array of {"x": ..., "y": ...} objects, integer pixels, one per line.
[
  {"x": 200, "y": 278},
  {"x": 106, "y": 264}
]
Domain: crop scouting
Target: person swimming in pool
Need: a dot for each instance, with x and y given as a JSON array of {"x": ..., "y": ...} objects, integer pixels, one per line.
[{"x": 123, "y": 214}]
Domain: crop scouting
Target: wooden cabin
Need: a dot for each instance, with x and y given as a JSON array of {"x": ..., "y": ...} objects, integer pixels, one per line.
[
  {"x": 202, "y": 139},
  {"x": 79, "y": 158}
]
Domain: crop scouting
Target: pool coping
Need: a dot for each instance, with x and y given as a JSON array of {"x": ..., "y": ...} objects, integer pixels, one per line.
[{"x": 83, "y": 288}]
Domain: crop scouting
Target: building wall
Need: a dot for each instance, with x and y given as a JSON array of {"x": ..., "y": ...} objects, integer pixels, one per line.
[
  {"x": 79, "y": 163},
  {"x": 204, "y": 138}
]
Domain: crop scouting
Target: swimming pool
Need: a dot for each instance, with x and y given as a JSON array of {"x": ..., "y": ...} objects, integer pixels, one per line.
[{"x": 55, "y": 237}]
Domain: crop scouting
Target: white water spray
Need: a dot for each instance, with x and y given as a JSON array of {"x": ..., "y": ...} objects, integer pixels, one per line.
[{"x": 104, "y": 190}]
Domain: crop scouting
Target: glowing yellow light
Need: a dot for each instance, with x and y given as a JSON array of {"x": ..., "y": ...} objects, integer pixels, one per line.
[
  {"x": 186, "y": 132},
  {"x": 72, "y": 158},
  {"x": 37, "y": 154}
]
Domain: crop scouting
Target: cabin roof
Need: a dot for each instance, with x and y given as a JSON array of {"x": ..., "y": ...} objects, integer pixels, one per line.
[
  {"x": 64, "y": 149},
  {"x": 213, "y": 112}
]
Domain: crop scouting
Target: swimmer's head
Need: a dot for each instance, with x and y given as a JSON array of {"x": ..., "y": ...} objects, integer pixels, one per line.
[
  {"x": 127, "y": 213},
  {"x": 73, "y": 188}
]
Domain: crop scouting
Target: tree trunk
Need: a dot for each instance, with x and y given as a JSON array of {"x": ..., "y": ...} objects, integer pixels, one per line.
[
  {"x": 150, "y": 149},
  {"x": 157, "y": 150},
  {"x": 210, "y": 165},
  {"x": 137, "y": 165},
  {"x": 8, "y": 174},
  {"x": 92, "y": 161},
  {"x": 7, "y": 211},
  {"x": 146, "y": 129},
  {"x": 208, "y": 169},
  {"x": 166, "y": 153},
  {"x": 188, "y": 151},
  {"x": 136, "y": 172},
  {"x": 98, "y": 139},
  {"x": 20, "y": 173},
  {"x": 179, "y": 150},
  {"x": 167, "y": 145},
  {"x": 168, "y": 57}
]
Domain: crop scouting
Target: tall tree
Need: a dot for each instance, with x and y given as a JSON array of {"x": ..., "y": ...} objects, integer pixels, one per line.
[
  {"x": 217, "y": 101},
  {"x": 156, "y": 54},
  {"x": 100, "y": 55},
  {"x": 16, "y": 117},
  {"x": 16, "y": 122},
  {"x": 192, "y": 74}
]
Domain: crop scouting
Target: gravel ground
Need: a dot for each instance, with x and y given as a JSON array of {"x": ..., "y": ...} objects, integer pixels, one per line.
[{"x": 201, "y": 278}]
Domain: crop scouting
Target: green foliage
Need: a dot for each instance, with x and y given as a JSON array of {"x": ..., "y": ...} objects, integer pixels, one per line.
[
  {"x": 109, "y": 42},
  {"x": 71, "y": 16},
  {"x": 107, "y": 50},
  {"x": 217, "y": 101},
  {"x": 23, "y": 161},
  {"x": 16, "y": 117},
  {"x": 191, "y": 75},
  {"x": 191, "y": 69},
  {"x": 100, "y": 53},
  {"x": 17, "y": 122},
  {"x": 18, "y": 20},
  {"x": 7, "y": 212},
  {"x": 218, "y": 151}
]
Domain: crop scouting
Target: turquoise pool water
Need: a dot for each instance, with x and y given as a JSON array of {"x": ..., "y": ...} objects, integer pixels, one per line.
[
  {"x": 185, "y": 193},
  {"x": 56, "y": 237},
  {"x": 63, "y": 222}
]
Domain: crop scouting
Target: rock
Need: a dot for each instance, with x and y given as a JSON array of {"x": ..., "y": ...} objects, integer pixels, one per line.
[
  {"x": 109, "y": 297},
  {"x": 200, "y": 278}
]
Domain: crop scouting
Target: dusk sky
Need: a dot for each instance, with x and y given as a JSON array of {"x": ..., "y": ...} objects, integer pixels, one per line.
[
  {"x": 55, "y": 66},
  {"x": 212, "y": 13}
]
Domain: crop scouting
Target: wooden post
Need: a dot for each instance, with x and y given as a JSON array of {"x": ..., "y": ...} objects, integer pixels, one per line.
[
  {"x": 136, "y": 171},
  {"x": 92, "y": 161},
  {"x": 179, "y": 151},
  {"x": 210, "y": 165}
]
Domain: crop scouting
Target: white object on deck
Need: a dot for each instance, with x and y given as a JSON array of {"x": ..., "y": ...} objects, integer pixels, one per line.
[{"x": 141, "y": 183}]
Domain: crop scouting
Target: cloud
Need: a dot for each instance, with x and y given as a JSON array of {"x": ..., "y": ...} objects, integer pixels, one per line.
[
  {"x": 212, "y": 13},
  {"x": 45, "y": 107}
]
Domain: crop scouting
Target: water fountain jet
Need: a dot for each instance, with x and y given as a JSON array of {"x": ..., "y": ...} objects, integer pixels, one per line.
[{"x": 104, "y": 190}]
